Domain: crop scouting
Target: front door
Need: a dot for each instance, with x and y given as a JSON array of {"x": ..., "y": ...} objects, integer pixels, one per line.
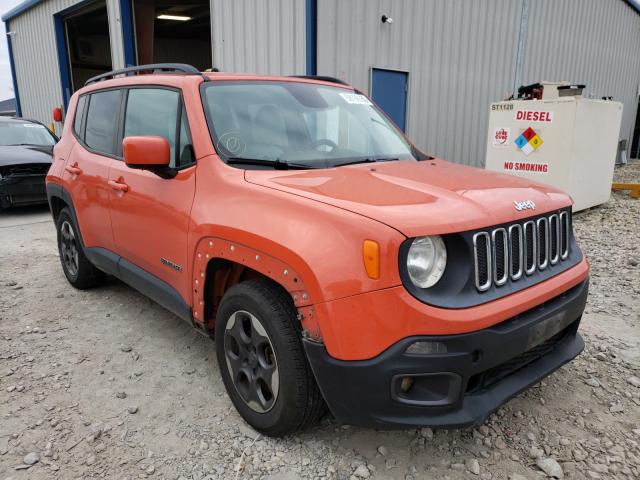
[
  {"x": 150, "y": 219},
  {"x": 389, "y": 91}
]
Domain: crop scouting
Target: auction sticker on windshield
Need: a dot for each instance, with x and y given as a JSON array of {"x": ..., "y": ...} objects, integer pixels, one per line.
[{"x": 355, "y": 98}]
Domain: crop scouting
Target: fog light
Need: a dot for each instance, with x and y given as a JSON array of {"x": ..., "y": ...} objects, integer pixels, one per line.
[
  {"x": 406, "y": 384},
  {"x": 426, "y": 348}
]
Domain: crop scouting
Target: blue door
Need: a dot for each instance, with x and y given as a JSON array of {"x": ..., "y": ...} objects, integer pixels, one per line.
[{"x": 389, "y": 91}]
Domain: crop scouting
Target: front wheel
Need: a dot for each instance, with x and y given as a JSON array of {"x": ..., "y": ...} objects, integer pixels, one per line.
[{"x": 262, "y": 361}]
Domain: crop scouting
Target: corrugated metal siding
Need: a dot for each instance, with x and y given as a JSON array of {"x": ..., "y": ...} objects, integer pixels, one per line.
[
  {"x": 259, "y": 36},
  {"x": 36, "y": 55},
  {"x": 595, "y": 42},
  {"x": 460, "y": 56}
]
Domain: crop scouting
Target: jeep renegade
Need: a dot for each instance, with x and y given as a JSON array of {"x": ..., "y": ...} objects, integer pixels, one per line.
[{"x": 335, "y": 263}]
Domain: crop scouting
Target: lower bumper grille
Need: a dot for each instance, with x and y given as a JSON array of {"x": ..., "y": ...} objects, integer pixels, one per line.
[{"x": 493, "y": 375}]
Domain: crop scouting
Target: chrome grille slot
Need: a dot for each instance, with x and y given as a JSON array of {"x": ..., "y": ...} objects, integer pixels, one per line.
[
  {"x": 482, "y": 255},
  {"x": 516, "y": 251},
  {"x": 500, "y": 256},
  {"x": 564, "y": 235},
  {"x": 507, "y": 253},
  {"x": 543, "y": 242},
  {"x": 554, "y": 239},
  {"x": 530, "y": 247}
]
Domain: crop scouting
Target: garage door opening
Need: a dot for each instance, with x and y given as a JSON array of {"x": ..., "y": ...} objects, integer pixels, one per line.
[
  {"x": 88, "y": 43},
  {"x": 635, "y": 144},
  {"x": 172, "y": 31}
]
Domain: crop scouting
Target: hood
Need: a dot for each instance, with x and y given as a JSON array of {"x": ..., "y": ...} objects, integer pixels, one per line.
[
  {"x": 24, "y": 154},
  {"x": 418, "y": 198}
]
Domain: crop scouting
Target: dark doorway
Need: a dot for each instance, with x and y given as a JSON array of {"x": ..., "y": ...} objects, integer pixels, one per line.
[
  {"x": 172, "y": 31},
  {"x": 635, "y": 144},
  {"x": 389, "y": 91},
  {"x": 88, "y": 43}
]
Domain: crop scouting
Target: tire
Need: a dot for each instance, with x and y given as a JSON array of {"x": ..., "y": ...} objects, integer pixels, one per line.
[
  {"x": 79, "y": 271},
  {"x": 273, "y": 388}
]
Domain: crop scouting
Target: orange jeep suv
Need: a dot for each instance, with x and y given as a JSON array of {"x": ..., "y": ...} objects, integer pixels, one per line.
[{"x": 335, "y": 263}]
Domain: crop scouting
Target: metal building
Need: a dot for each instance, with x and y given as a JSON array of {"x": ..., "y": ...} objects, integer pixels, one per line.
[{"x": 433, "y": 65}]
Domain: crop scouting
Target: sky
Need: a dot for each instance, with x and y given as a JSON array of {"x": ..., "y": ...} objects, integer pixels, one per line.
[{"x": 6, "y": 85}]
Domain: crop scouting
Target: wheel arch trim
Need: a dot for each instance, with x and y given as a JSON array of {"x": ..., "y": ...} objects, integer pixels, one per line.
[{"x": 304, "y": 293}]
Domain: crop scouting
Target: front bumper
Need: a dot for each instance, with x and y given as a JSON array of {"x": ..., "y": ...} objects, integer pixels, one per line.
[
  {"x": 461, "y": 386},
  {"x": 22, "y": 190}
]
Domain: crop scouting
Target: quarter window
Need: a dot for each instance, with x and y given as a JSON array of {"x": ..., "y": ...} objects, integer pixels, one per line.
[
  {"x": 185, "y": 153},
  {"x": 102, "y": 121},
  {"x": 77, "y": 121}
]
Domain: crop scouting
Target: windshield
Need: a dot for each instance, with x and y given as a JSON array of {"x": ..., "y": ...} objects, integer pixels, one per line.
[
  {"x": 25, "y": 133},
  {"x": 299, "y": 125}
]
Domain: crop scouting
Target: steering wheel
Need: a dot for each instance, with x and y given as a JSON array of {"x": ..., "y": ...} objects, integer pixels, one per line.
[{"x": 325, "y": 141}]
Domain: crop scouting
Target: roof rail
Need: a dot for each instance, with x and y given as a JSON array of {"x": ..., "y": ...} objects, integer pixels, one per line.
[
  {"x": 153, "y": 67},
  {"x": 322, "y": 78}
]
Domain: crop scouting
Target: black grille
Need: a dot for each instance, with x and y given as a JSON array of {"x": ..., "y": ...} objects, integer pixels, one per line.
[
  {"x": 31, "y": 169},
  {"x": 564, "y": 234},
  {"x": 554, "y": 239},
  {"x": 516, "y": 253},
  {"x": 500, "y": 255},
  {"x": 543, "y": 243},
  {"x": 530, "y": 241},
  {"x": 482, "y": 260}
]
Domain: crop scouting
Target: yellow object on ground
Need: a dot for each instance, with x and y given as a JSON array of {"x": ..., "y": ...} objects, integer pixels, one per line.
[{"x": 634, "y": 188}]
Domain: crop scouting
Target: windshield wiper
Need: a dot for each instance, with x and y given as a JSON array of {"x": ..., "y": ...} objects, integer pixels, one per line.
[
  {"x": 367, "y": 160},
  {"x": 276, "y": 164}
]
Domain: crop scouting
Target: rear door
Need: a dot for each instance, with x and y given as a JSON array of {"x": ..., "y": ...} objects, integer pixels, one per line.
[
  {"x": 151, "y": 218},
  {"x": 87, "y": 168}
]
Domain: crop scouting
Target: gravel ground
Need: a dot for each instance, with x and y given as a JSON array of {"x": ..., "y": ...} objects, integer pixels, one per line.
[{"x": 106, "y": 384}]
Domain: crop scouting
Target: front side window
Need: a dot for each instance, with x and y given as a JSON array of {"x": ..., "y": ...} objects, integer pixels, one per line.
[
  {"x": 102, "y": 121},
  {"x": 302, "y": 124},
  {"x": 25, "y": 133},
  {"x": 153, "y": 112}
]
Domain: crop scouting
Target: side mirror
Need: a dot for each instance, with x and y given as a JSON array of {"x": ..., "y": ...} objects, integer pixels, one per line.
[{"x": 146, "y": 152}]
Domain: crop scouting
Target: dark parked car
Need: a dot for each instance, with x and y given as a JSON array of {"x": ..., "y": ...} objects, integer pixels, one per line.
[{"x": 26, "y": 149}]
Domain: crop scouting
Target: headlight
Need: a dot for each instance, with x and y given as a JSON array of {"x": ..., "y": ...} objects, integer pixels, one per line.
[{"x": 426, "y": 261}]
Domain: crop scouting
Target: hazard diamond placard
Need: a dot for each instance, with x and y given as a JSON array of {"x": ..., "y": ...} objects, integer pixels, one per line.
[{"x": 528, "y": 141}]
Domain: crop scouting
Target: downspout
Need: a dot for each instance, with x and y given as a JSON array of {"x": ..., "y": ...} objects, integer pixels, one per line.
[
  {"x": 522, "y": 39},
  {"x": 311, "y": 22},
  {"x": 12, "y": 64}
]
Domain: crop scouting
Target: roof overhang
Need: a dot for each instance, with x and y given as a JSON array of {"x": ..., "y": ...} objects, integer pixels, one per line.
[
  {"x": 20, "y": 9},
  {"x": 29, "y": 4}
]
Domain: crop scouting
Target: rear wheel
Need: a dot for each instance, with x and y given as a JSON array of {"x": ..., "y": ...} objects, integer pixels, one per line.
[
  {"x": 262, "y": 361},
  {"x": 77, "y": 268}
]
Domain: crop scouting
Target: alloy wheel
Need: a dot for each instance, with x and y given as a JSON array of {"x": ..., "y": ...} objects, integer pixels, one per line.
[
  {"x": 69, "y": 248},
  {"x": 251, "y": 361}
]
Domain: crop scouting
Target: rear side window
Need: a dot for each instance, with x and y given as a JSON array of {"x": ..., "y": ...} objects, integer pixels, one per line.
[
  {"x": 153, "y": 112},
  {"x": 102, "y": 121},
  {"x": 77, "y": 120}
]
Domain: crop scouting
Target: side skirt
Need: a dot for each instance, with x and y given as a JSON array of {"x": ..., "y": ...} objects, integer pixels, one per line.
[{"x": 146, "y": 283}]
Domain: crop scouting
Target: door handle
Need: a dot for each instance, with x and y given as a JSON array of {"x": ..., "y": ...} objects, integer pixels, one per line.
[
  {"x": 118, "y": 185},
  {"x": 73, "y": 169}
]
